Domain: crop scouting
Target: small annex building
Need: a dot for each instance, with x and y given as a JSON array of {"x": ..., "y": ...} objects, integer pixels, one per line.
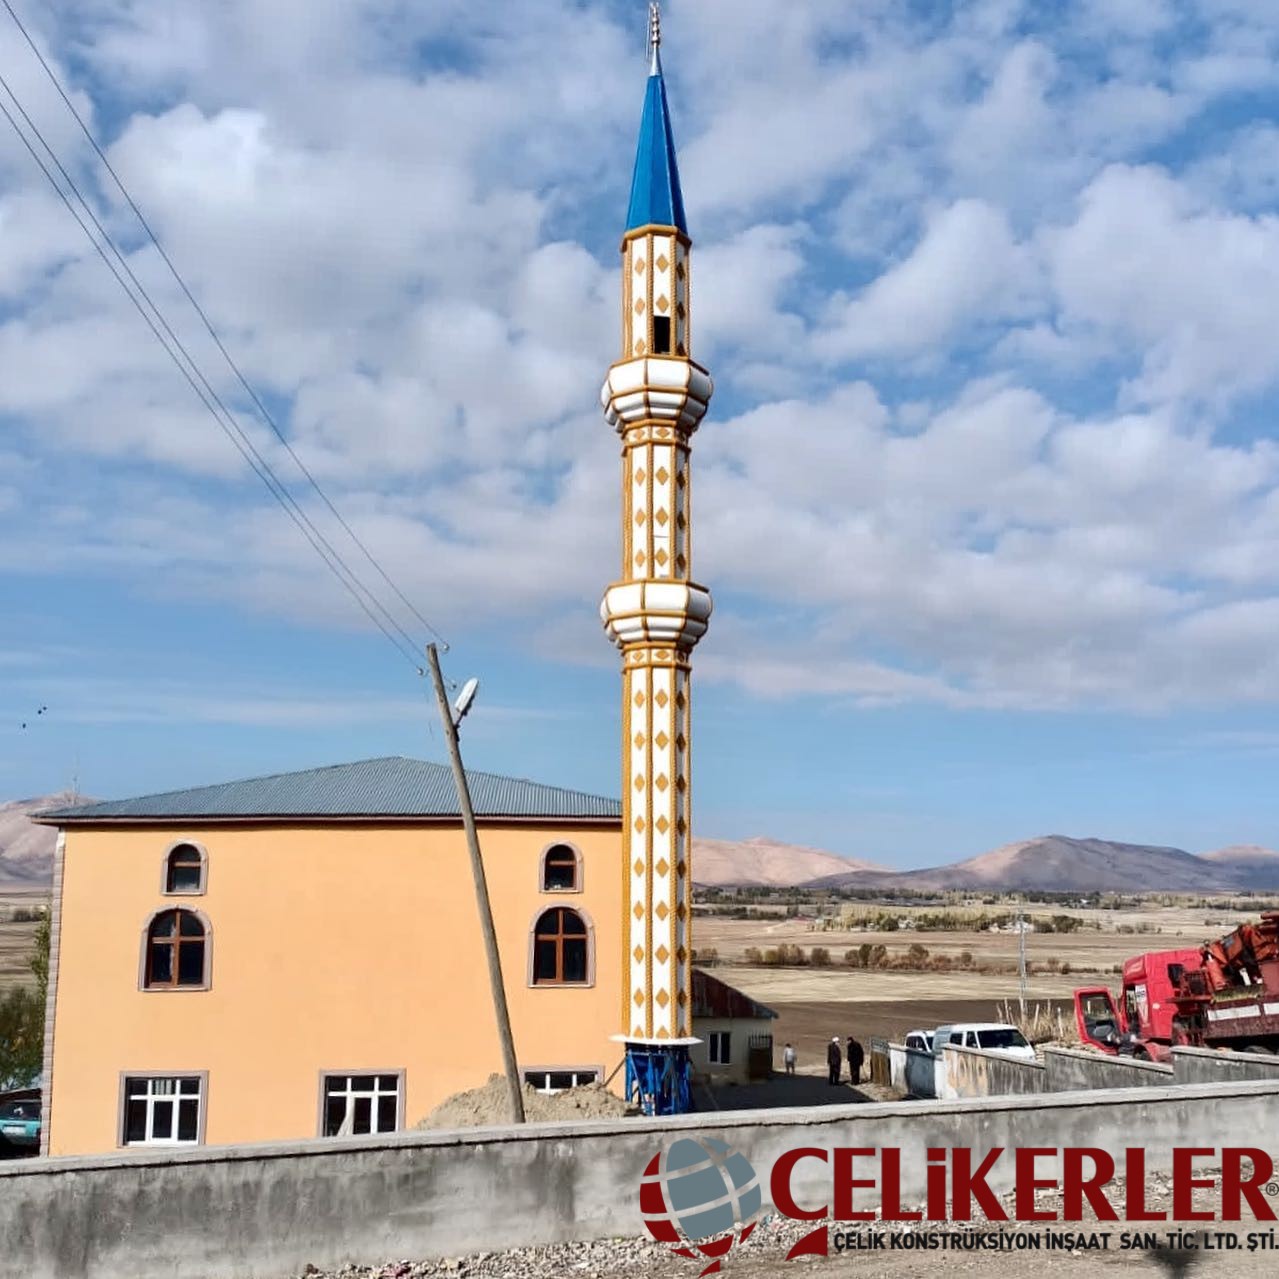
[
  {"x": 735, "y": 1031},
  {"x": 299, "y": 955}
]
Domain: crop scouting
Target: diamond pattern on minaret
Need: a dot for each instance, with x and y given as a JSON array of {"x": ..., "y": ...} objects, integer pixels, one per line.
[{"x": 655, "y": 396}]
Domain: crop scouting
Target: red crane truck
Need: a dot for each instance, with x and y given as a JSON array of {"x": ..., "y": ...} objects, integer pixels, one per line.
[{"x": 1222, "y": 995}]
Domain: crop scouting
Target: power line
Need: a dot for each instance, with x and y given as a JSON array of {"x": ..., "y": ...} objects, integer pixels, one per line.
[
  {"x": 230, "y": 427},
  {"x": 213, "y": 333}
]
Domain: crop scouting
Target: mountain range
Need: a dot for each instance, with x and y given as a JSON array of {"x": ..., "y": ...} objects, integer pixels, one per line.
[{"x": 1050, "y": 863}]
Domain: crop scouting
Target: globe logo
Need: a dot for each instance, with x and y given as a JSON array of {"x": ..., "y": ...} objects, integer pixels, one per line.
[{"x": 701, "y": 1197}]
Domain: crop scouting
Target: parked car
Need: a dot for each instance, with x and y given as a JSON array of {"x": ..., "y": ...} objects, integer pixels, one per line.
[
  {"x": 20, "y": 1125},
  {"x": 989, "y": 1035},
  {"x": 920, "y": 1041}
]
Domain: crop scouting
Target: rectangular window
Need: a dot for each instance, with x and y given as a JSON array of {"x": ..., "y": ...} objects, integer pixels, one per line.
[
  {"x": 719, "y": 1047},
  {"x": 553, "y": 1081},
  {"x": 163, "y": 1111},
  {"x": 355, "y": 1105}
]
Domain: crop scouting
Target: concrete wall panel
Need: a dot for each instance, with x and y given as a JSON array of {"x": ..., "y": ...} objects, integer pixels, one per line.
[
  {"x": 1210, "y": 1065},
  {"x": 970, "y": 1072},
  {"x": 1068, "y": 1069}
]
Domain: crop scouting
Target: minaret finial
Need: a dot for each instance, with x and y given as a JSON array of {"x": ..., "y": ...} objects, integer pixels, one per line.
[{"x": 655, "y": 36}]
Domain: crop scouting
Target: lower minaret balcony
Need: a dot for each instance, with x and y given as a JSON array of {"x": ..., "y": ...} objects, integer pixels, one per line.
[
  {"x": 665, "y": 391},
  {"x": 671, "y": 613}
]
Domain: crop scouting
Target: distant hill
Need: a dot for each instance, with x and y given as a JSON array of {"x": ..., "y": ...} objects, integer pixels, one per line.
[
  {"x": 26, "y": 850},
  {"x": 760, "y": 862},
  {"x": 1060, "y": 864},
  {"x": 1251, "y": 865}
]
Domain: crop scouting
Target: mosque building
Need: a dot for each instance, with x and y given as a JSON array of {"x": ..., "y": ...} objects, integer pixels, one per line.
[{"x": 298, "y": 956}]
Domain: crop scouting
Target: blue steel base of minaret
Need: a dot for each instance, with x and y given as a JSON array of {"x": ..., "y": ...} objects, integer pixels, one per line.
[{"x": 659, "y": 1078}]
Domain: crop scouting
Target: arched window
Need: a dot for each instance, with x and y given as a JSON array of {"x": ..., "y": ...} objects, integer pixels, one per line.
[
  {"x": 561, "y": 869},
  {"x": 177, "y": 951},
  {"x": 184, "y": 869},
  {"x": 561, "y": 949}
]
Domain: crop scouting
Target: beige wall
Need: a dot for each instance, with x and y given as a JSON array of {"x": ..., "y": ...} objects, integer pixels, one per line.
[
  {"x": 740, "y": 1029},
  {"x": 334, "y": 948}
]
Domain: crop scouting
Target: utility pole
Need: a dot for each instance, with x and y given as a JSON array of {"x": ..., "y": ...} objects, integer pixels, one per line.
[
  {"x": 1021, "y": 962},
  {"x": 513, "y": 1088}
]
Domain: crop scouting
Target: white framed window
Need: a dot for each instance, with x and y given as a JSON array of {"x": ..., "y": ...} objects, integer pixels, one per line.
[
  {"x": 719, "y": 1047},
  {"x": 356, "y": 1105},
  {"x": 553, "y": 1079},
  {"x": 163, "y": 1110}
]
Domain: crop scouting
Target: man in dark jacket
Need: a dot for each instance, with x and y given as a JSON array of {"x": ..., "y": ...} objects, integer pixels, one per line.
[
  {"x": 855, "y": 1059},
  {"x": 834, "y": 1059}
]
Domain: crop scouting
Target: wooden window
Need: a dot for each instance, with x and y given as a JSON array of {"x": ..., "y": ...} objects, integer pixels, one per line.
[
  {"x": 719, "y": 1047},
  {"x": 355, "y": 1105},
  {"x": 176, "y": 951},
  {"x": 561, "y": 949},
  {"x": 163, "y": 1110},
  {"x": 561, "y": 869},
  {"x": 184, "y": 869}
]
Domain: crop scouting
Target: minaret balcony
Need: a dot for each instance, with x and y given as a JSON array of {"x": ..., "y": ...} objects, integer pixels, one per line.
[
  {"x": 670, "y": 613},
  {"x": 663, "y": 391}
]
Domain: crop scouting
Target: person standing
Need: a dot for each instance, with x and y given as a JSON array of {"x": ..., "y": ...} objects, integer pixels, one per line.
[
  {"x": 834, "y": 1059},
  {"x": 855, "y": 1059},
  {"x": 788, "y": 1059}
]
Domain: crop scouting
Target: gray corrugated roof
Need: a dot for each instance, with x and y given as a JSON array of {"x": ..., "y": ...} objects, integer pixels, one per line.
[{"x": 390, "y": 787}]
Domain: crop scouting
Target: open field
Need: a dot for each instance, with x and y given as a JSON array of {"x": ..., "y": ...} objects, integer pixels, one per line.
[
  {"x": 1095, "y": 950},
  {"x": 815, "y": 1003},
  {"x": 16, "y": 940}
]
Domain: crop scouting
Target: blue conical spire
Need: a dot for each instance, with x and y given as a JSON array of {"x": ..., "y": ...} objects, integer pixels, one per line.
[{"x": 656, "y": 198}]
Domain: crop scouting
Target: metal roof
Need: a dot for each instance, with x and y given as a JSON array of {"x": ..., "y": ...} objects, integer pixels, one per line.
[
  {"x": 389, "y": 787},
  {"x": 656, "y": 198},
  {"x": 715, "y": 998}
]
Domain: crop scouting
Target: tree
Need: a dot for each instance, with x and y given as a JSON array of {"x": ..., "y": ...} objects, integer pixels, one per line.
[{"x": 22, "y": 1019}]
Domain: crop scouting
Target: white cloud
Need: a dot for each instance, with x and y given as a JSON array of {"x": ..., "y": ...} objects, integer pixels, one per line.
[
  {"x": 966, "y": 269},
  {"x": 979, "y": 437},
  {"x": 1192, "y": 290}
]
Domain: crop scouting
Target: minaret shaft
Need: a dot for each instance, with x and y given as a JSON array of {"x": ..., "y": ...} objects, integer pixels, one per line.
[{"x": 655, "y": 396}]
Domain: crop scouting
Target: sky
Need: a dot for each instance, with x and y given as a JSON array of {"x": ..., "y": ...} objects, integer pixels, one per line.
[{"x": 988, "y": 495}]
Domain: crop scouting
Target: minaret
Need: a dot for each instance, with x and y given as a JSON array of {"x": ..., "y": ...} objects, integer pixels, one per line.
[{"x": 655, "y": 396}]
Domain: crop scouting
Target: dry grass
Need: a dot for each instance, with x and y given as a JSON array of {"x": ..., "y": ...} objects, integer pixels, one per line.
[{"x": 1041, "y": 1024}]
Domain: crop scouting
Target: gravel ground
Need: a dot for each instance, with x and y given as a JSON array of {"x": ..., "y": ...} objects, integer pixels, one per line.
[{"x": 762, "y": 1256}]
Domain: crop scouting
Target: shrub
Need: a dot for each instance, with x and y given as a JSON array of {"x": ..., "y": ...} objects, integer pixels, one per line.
[{"x": 819, "y": 957}]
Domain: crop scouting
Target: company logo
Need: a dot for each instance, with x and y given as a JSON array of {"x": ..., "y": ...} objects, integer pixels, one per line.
[{"x": 701, "y": 1197}]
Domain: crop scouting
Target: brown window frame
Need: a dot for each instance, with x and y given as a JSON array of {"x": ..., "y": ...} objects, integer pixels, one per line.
[
  {"x": 145, "y": 981},
  {"x": 536, "y": 934},
  {"x": 166, "y": 888},
  {"x": 576, "y": 886}
]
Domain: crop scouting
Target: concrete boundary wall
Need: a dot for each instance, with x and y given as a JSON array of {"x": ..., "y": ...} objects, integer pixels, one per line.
[
  {"x": 1212, "y": 1065},
  {"x": 1069, "y": 1069},
  {"x": 976, "y": 1072},
  {"x": 264, "y": 1212},
  {"x": 923, "y": 1074}
]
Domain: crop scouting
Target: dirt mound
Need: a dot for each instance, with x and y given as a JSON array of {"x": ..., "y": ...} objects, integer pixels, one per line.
[{"x": 488, "y": 1106}]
